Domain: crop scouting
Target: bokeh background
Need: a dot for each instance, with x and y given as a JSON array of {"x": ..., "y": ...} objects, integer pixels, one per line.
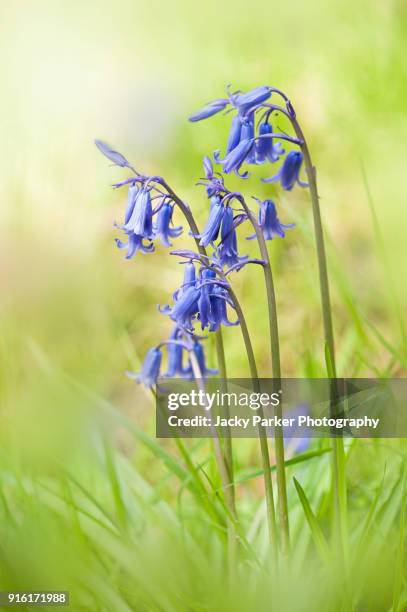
[
  {"x": 74, "y": 314},
  {"x": 131, "y": 73}
]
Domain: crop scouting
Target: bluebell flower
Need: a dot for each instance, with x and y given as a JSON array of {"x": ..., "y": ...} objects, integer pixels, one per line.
[
  {"x": 211, "y": 229},
  {"x": 185, "y": 308},
  {"x": 226, "y": 252},
  {"x": 150, "y": 369},
  {"x": 175, "y": 352},
  {"x": 117, "y": 158},
  {"x": 204, "y": 299},
  {"x": 200, "y": 357},
  {"x": 189, "y": 282},
  {"x": 162, "y": 228},
  {"x": 219, "y": 298},
  {"x": 135, "y": 243},
  {"x": 212, "y": 302},
  {"x": 210, "y": 109},
  {"x": 141, "y": 219},
  {"x": 265, "y": 147},
  {"x": 236, "y": 157},
  {"x": 289, "y": 172},
  {"x": 269, "y": 221},
  {"x": 248, "y": 101}
]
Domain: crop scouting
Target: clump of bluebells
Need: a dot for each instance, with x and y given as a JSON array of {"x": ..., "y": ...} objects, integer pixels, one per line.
[{"x": 203, "y": 302}]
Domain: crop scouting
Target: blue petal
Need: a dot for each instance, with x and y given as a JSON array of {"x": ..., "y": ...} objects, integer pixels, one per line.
[
  {"x": 208, "y": 167},
  {"x": 234, "y": 134},
  {"x": 163, "y": 229},
  {"x": 210, "y": 109},
  {"x": 131, "y": 200},
  {"x": 235, "y": 158},
  {"x": 117, "y": 158},
  {"x": 212, "y": 226},
  {"x": 151, "y": 368},
  {"x": 256, "y": 96},
  {"x": 141, "y": 220}
]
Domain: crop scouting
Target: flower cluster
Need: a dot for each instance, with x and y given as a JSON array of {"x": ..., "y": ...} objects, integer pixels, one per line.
[
  {"x": 142, "y": 210},
  {"x": 250, "y": 144},
  {"x": 204, "y": 299},
  {"x": 178, "y": 345},
  {"x": 200, "y": 298}
]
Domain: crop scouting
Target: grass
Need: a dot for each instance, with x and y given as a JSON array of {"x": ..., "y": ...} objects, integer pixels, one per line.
[{"x": 121, "y": 536}]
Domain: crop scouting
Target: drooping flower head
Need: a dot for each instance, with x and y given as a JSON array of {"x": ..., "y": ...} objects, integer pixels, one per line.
[
  {"x": 185, "y": 308},
  {"x": 265, "y": 147},
  {"x": 141, "y": 219},
  {"x": 150, "y": 369},
  {"x": 175, "y": 351},
  {"x": 138, "y": 217},
  {"x": 250, "y": 144},
  {"x": 269, "y": 221},
  {"x": 227, "y": 252},
  {"x": 289, "y": 173},
  {"x": 198, "y": 299},
  {"x": 212, "y": 227},
  {"x": 219, "y": 298},
  {"x": 163, "y": 229}
]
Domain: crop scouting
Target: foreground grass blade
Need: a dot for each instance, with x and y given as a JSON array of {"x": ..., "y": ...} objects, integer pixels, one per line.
[
  {"x": 293, "y": 461},
  {"x": 399, "y": 570},
  {"x": 316, "y": 531}
]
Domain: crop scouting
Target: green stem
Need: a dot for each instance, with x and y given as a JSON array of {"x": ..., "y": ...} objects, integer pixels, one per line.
[
  {"x": 276, "y": 370},
  {"x": 337, "y": 443},
  {"x": 227, "y": 442},
  {"x": 220, "y": 459},
  {"x": 268, "y": 483}
]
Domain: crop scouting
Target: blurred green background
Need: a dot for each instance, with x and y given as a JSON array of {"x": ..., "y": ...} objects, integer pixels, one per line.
[
  {"x": 131, "y": 73},
  {"x": 74, "y": 314}
]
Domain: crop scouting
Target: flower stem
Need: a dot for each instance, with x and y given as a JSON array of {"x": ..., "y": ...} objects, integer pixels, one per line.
[
  {"x": 338, "y": 454},
  {"x": 276, "y": 370},
  {"x": 268, "y": 483},
  {"x": 222, "y": 467}
]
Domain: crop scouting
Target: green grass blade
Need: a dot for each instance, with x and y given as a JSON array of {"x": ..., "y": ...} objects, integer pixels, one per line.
[
  {"x": 369, "y": 520},
  {"x": 115, "y": 485},
  {"x": 292, "y": 461},
  {"x": 316, "y": 531},
  {"x": 399, "y": 570}
]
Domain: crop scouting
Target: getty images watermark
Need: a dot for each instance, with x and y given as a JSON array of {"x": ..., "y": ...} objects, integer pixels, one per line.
[
  {"x": 254, "y": 401},
  {"x": 298, "y": 408}
]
